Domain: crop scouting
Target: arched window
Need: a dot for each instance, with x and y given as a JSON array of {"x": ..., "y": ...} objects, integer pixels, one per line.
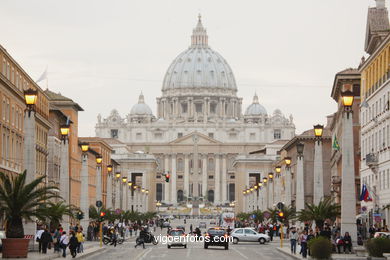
[
  {"x": 180, "y": 196},
  {"x": 180, "y": 165},
  {"x": 210, "y": 195},
  {"x": 210, "y": 164}
]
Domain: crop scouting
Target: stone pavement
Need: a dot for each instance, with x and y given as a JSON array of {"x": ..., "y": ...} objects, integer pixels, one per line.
[{"x": 287, "y": 251}]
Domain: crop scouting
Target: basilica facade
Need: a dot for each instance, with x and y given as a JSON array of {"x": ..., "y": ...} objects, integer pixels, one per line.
[{"x": 200, "y": 135}]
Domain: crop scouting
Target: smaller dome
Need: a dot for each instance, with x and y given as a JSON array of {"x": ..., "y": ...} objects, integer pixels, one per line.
[
  {"x": 255, "y": 109},
  {"x": 141, "y": 108}
]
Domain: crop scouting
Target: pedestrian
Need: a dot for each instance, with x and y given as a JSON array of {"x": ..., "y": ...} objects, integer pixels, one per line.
[
  {"x": 347, "y": 243},
  {"x": 38, "y": 238},
  {"x": 191, "y": 228},
  {"x": 141, "y": 239},
  {"x": 80, "y": 240},
  {"x": 45, "y": 239},
  {"x": 73, "y": 244},
  {"x": 309, "y": 236},
  {"x": 114, "y": 237},
  {"x": 293, "y": 241},
  {"x": 90, "y": 232},
  {"x": 303, "y": 242},
  {"x": 64, "y": 241},
  {"x": 56, "y": 240}
]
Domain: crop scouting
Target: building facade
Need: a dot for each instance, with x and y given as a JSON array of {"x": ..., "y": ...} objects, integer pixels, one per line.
[
  {"x": 200, "y": 134},
  {"x": 374, "y": 115}
]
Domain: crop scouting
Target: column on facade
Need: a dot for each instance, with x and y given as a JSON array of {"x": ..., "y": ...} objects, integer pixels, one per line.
[
  {"x": 166, "y": 185},
  {"x": 318, "y": 173},
  {"x": 348, "y": 193},
  {"x": 117, "y": 195},
  {"x": 64, "y": 177},
  {"x": 186, "y": 175},
  {"x": 188, "y": 107},
  {"x": 224, "y": 180},
  {"x": 84, "y": 193},
  {"x": 173, "y": 177},
  {"x": 288, "y": 186},
  {"x": 109, "y": 191},
  {"x": 217, "y": 176},
  {"x": 99, "y": 195},
  {"x": 204, "y": 176},
  {"x": 300, "y": 191},
  {"x": 220, "y": 107}
]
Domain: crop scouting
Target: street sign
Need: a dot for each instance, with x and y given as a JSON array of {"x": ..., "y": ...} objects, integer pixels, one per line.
[{"x": 99, "y": 203}]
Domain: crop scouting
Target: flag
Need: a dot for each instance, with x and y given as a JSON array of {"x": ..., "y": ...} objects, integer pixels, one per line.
[
  {"x": 335, "y": 145},
  {"x": 43, "y": 76},
  {"x": 365, "y": 195}
]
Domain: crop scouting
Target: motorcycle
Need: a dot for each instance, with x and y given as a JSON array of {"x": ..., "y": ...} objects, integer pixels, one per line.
[
  {"x": 149, "y": 239},
  {"x": 108, "y": 240}
]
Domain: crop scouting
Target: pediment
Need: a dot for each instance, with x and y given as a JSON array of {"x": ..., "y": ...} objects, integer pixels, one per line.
[{"x": 195, "y": 137}]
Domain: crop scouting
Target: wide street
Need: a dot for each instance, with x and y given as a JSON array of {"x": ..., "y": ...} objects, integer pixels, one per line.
[{"x": 194, "y": 250}]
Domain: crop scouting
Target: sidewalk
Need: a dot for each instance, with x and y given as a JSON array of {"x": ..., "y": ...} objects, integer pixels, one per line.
[
  {"x": 90, "y": 248},
  {"x": 287, "y": 251}
]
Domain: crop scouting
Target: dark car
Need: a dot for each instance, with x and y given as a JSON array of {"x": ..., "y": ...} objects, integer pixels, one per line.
[
  {"x": 216, "y": 237},
  {"x": 181, "y": 227}
]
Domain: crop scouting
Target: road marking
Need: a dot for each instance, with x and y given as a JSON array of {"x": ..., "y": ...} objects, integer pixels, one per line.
[
  {"x": 241, "y": 254},
  {"x": 147, "y": 252},
  {"x": 188, "y": 252}
]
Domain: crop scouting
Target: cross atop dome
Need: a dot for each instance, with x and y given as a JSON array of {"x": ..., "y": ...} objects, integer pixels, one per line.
[
  {"x": 141, "y": 99},
  {"x": 199, "y": 36},
  {"x": 255, "y": 99}
]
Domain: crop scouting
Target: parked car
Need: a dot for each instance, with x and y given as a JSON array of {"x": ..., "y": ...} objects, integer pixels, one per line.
[
  {"x": 382, "y": 234},
  {"x": 202, "y": 224},
  {"x": 248, "y": 235},
  {"x": 216, "y": 237},
  {"x": 166, "y": 224},
  {"x": 176, "y": 234}
]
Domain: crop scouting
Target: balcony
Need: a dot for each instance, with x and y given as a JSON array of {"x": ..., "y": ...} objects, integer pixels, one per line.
[{"x": 371, "y": 160}]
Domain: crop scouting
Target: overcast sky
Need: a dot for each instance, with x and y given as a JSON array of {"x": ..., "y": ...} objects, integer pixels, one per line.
[{"x": 103, "y": 53}]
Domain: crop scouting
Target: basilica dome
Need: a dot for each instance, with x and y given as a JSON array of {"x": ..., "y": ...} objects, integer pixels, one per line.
[
  {"x": 255, "y": 109},
  {"x": 141, "y": 109},
  {"x": 199, "y": 66}
]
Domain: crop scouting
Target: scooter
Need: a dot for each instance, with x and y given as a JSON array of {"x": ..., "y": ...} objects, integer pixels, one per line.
[
  {"x": 149, "y": 239},
  {"x": 108, "y": 240}
]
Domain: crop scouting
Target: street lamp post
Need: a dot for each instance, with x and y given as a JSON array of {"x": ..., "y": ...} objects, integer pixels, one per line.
[
  {"x": 300, "y": 191},
  {"x": 64, "y": 168},
  {"x": 99, "y": 160},
  {"x": 318, "y": 166},
  {"x": 287, "y": 161},
  {"x": 29, "y": 148},
  {"x": 124, "y": 193},
  {"x": 270, "y": 189},
  {"x": 348, "y": 197},
  {"x": 109, "y": 187},
  {"x": 84, "y": 193}
]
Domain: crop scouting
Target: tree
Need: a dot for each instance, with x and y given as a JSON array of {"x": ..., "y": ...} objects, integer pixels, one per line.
[
  {"x": 258, "y": 214},
  {"x": 320, "y": 213},
  {"x": 243, "y": 216},
  {"x": 20, "y": 201},
  {"x": 289, "y": 214},
  {"x": 56, "y": 211}
]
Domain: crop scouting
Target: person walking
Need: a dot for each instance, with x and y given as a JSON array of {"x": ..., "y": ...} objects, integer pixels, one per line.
[
  {"x": 64, "y": 241},
  {"x": 303, "y": 242},
  {"x": 56, "y": 240},
  {"x": 80, "y": 239},
  {"x": 191, "y": 228},
  {"x": 73, "y": 244},
  {"x": 310, "y": 236},
  {"x": 38, "y": 235},
  {"x": 141, "y": 238},
  {"x": 114, "y": 237},
  {"x": 45, "y": 239},
  {"x": 293, "y": 241}
]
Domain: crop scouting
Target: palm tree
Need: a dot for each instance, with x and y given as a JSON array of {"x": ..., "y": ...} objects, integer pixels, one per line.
[
  {"x": 56, "y": 211},
  {"x": 320, "y": 213},
  {"x": 243, "y": 216},
  {"x": 289, "y": 213},
  {"x": 20, "y": 201},
  {"x": 259, "y": 216}
]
